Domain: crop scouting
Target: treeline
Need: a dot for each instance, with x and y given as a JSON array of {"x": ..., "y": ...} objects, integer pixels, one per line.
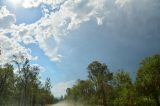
[
  {"x": 23, "y": 88},
  {"x": 104, "y": 88}
]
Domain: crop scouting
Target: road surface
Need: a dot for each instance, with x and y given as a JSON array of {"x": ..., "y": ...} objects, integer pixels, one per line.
[{"x": 64, "y": 103}]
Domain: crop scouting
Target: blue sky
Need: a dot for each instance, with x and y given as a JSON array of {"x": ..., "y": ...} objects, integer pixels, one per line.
[{"x": 64, "y": 36}]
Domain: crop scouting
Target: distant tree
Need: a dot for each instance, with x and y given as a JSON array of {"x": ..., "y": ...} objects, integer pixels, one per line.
[
  {"x": 148, "y": 79},
  {"x": 100, "y": 76},
  {"x": 48, "y": 85},
  {"x": 82, "y": 91},
  {"x": 68, "y": 91},
  {"x": 47, "y": 97},
  {"x": 61, "y": 98}
]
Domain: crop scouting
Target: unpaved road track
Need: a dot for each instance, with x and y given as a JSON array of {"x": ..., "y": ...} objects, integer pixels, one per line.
[{"x": 66, "y": 104}]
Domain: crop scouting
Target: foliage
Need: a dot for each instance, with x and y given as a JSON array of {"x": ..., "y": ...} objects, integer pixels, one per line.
[
  {"x": 102, "y": 88},
  {"x": 124, "y": 89},
  {"x": 6, "y": 84},
  {"x": 148, "y": 79},
  {"x": 24, "y": 87},
  {"x": 107, "y": 89},
  {"x": 100, "y": 76}
]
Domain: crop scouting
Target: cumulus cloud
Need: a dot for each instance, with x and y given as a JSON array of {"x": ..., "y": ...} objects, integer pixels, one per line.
[
  {"x": 50, "y": 30},
  {"x": 9, "y": 48},
  {"x": 36, "y": 3},
  {"x": 4, "y": 12},
  {"x": 127, "y": 34},
  {"x": 28, "y": 40},
  {"x": 6, "y": 18}
]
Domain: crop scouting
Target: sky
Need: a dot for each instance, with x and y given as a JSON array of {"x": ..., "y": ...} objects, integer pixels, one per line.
[{"x": 63, "y": 36}]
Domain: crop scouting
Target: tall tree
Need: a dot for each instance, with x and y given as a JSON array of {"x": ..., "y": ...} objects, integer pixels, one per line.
[
  {"x": 6, "y": 84},
  {"x": 24, "y": 87},
  {"x": 27, "y": 83},
  {"x": 124, "y": 89},
  {"x": 148, "y": 78},
  {"x": 100, "y": 75}
]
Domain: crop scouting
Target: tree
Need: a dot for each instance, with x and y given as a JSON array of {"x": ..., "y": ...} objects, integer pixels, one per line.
[
  {"x": 47, "y": 85},
  {"x": 124, "y": 89},
  {"x": 47, "y": 92},
  {"x": 6, "y": 84},
  {"x": 100, "y": 76},
  {"x": 30, "y": 91},
  {"x": 122, "y": 79},
  {"x": 24, "y": 87},
  {"x": 68, "y": 91},
  {"x": 148, "y": 79},
  {"x": 82, "y": 91},
  {"x": 27, "y": 83}
]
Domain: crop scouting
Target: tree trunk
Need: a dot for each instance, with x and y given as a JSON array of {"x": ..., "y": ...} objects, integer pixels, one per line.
[
  {"x": 157, "y": 100},
  {"x": 104, "y": 96},
  {"x": 33, "y": 101},
  {"x": 25, "y": 95}
]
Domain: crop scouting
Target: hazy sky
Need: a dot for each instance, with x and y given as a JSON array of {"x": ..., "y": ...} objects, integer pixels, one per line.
[{"x": 64, "y": 36}]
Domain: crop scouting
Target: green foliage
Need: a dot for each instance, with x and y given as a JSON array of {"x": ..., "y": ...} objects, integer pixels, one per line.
[
  {"x": 102, "y": 87},
  {"x": 82, "y": 91},
  {"x": 100, "y": 76},
  {"x": 118, "y": 89},
  {"x": 24, "y": 87},
  {"x": 122, "y": 79},
  {"x": 124, "y": 89},
  {"x": 6, "y": 84},
  {"x": 148, "y": 78}
]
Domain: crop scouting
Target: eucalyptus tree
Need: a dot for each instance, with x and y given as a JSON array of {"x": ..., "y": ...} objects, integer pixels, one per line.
[
  {"x": 27, "y": 82},
  {"x": 101, "y": 77},
  {"x": 148, "y": 79},
  {"x": 47, "y": 91},
  {"x": 6, "y": 84},
  {"x": 124, "y": 89},
  {"x": 20, "y": 84}
]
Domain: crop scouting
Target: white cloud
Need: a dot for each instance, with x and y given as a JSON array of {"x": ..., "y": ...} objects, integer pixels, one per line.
[
  {"x": 121, "y": 3},
  {"x": 28, "y": 39},
  {"x": 59, "y": 89},
  {"x": 4, "y": 12},
  {"x": 49, "y": 31},
  {"x": 100, "y": 20},
  {"x": 36, "y": 3},
  {"x": 6, "y": 18},
  {"x": 9, "y": 48}
]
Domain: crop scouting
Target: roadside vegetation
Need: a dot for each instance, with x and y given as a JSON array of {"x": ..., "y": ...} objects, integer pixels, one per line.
[
  {"x": 23, "y": 87},
  {"x": 20, "y": 85},
  {"x": 104, "y": 88}
]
